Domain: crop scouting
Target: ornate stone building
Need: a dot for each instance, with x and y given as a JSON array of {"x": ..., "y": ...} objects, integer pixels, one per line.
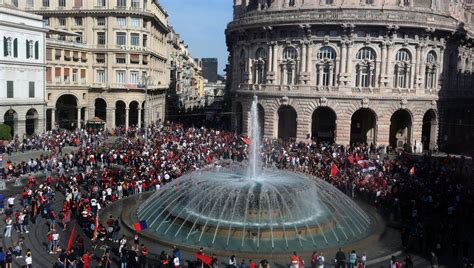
[
  {"x": 99, "y": 56},
  {"x": 349, "y": 70}
]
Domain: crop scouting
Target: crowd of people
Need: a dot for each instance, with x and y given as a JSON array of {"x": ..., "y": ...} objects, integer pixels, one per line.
[{"x": 424, "y": 194}]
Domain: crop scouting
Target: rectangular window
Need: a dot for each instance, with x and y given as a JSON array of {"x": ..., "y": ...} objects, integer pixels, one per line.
[
  {"x": 100, "y": 76},
  {"x": 31, "y": 92},
  {"x": 134, "y": 39},
  {"x": 101, "y": 3},
  {"x": 48, "y": 74},
  {"x": 121, "y": 21},
  {"x": 29, "y": 4},
  {"x": 74, "y": 75},
  {"x": 134, "y": 78},
  {"x": 79, "y": 37},
  {"x": 45, "y": 3},
  {"x": 135, "y": 22},
  {"x": 101, "y": 38},
  {"x": 10, "y": 89},
  {"x": 134, "y": 58},
  {"x": 66, "y": 75},
  {"x": 57, "y": 75},
  {"x": 61, "y": 21},
  {"x": 121, "y": 3},
  {"x": 78, "y": 21},
  {"x": 121, "y": 39},
  {"x": 77, "y": 3},
  {"x": 121, "y": 58},
  {"x": 100, "y": 21},
  {"x": 62, "y": 3},
  {"x": 120, "y": 77},
  {"x": 135, "y": 3},
  {"x": 83, "y": 76},
  {"x": 100, "y": 58},
  {"x": 145, "y": 39},
  {"x": 46, "y": 21}
]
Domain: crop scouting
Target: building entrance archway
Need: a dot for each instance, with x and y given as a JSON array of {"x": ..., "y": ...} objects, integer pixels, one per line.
[
  {"x": 287, "y": 122},
  {"x": 31, "y": 124},
  {"x": 133, "y": 114},
  {"x": 100, "y": 109},
  {"x": 66, "y": 112},
  {"x": 120, "y": 114},
  {"x": 363, "y": 126},
  {"x": 400, "y": 130},
  {"x": 323, "y": 125},
  {"x": 10, "y": 118},
  {"x": 430, "y": 125}
]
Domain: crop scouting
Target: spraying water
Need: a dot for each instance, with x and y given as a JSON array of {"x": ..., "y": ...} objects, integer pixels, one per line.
[{"x": 254, "y": 158}]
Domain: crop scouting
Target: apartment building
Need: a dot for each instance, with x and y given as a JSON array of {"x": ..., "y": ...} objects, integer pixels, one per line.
[
  {"x": 106, "y": 60},
  {"x": 22, "y": 63}
]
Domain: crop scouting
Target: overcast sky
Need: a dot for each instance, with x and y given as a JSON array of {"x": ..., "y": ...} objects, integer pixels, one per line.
[{"x": 201, "y": 24}]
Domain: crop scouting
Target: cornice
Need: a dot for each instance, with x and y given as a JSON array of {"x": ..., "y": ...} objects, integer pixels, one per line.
[{"x": 372, "y": 17}]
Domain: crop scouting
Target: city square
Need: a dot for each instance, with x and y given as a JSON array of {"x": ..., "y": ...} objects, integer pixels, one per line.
[{"x": 307, "y": 133}]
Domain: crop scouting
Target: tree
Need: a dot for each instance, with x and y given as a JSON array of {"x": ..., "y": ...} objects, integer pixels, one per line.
[{"x": 5, "y": 132}]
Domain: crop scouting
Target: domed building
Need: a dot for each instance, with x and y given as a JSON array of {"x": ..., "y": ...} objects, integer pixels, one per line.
[{"x": 374, "y": 71}]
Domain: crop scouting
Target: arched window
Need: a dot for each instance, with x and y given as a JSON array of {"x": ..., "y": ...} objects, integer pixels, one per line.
[
  {"x": 242, "y": 66},
  {"x": 365, "y": 67},
  {"x": 291, "y": 3},
  {"x": 288, "y": 66},
  {"x": 402, "y": 69},
  {"x": 325, "y": 68},
  {"x": 430, "y": 70},
  {"x": 260, "y": 66}
]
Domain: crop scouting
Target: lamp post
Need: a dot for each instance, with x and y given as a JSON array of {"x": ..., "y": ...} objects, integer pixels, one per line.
[{"x": 147, "y": 115}]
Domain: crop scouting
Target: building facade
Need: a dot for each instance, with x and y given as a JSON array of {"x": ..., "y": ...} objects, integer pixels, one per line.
[
  {"x": 186, "y": 88},
  {"x": 22, "y": 65},
  {"x": 106, "y": 61},
  {"x": 209, "y": 69},
  {"x": 348, "y": 71}
]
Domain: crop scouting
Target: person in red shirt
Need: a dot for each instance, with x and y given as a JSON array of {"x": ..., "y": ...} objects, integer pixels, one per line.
[
  {"x": 252, "y": 264},
  {"x": 85, "y": 259}
]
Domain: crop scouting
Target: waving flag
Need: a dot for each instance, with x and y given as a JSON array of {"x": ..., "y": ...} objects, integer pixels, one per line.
[
  {"x": 246, "y": 140},
  {"x": 205, "y": 259},
  {"x": 140, "y": 226},
  {"x": 71, "y": 238},
  {"x": 334, "y": 170}
]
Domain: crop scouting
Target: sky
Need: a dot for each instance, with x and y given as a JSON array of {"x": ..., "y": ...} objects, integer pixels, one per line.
[{"x": 201, "y": 24}]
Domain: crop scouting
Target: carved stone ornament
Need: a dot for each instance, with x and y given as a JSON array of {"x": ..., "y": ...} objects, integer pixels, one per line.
[
  {"x": 433, "y": 103},
  {"x": 284, "y": 100},
  {"x": 365, "y": 102},
  {"x": 404, "y": 103},
  {"x": 323, "y": 102}
]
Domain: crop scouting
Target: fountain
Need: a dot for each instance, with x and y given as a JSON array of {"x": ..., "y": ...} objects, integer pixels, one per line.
[{"x": 253, "y": 209}]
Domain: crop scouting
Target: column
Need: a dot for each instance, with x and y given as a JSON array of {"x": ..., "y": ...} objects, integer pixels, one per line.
[
  {"x": 343, "y": 58},
  {"x": 439, "y": 69},
  {"x": 384, "y": 59},
  {"x": 303, "y": 57},
  {"x": 412, "y": 82},
  {"x": 320, "y": 74},
  {"x": 270, "y": 57},
  {"x": 331, "y": 74},
  {"x": 249, "y": 70},
  {"x": 127, "y": 112},
  {"x": 53, "y": 118},
  {"x": 420, "y": 66},
  {"x": 110, "y": 120},
  {"x": 275, "y": 62},
  {"x": 417, "y": 65},
  {"x": 309, "y": 52},
  {"x": 350, "y": 47},
  {"x": 387, "y": 60},
  {"x": 86, "y": 115},
  {"x": 79, "y": 117},
  {"x": 139, "y": 117}
]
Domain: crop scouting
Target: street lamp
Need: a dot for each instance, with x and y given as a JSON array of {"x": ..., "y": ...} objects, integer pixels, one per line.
[{"x": 145, "y": 121}]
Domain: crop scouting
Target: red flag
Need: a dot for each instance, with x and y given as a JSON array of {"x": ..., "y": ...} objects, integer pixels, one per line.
[
  {"x": 71, "y": 238},
  {"x": 205, "y": 259},
  {"x": 96, "y": 226},
  {"x": 334, "y": 170},
  {"x": 245, "y": 140},
  {"x": 351, "y": 159}
]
